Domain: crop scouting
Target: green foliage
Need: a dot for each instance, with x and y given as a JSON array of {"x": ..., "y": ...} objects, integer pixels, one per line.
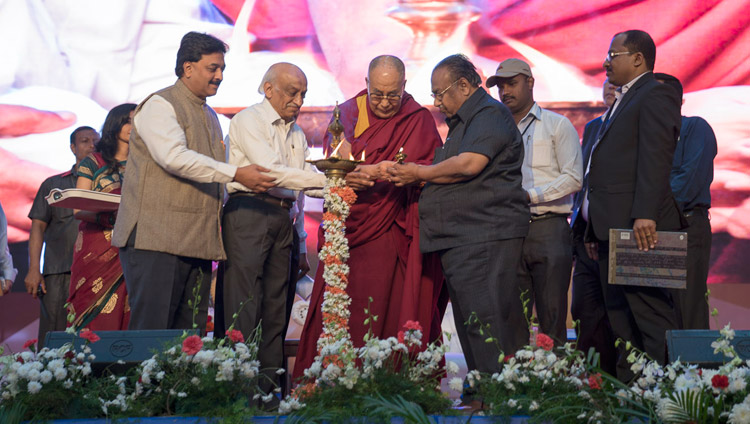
[
  {"x": 336, "y": 403},
  {"x": 12, "y": 414}
]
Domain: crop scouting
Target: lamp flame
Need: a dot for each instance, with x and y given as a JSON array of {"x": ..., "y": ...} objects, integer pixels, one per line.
[{"x": 335, "y": 151}]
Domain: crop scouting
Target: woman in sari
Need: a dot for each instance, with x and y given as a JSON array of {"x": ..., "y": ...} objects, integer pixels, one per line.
[{"x": 98, "y": 298}]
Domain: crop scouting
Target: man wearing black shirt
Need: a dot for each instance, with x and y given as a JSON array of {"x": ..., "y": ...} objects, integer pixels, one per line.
[
  {"x": 473, "y": 212},
  {"x": 58, "y": 229}
]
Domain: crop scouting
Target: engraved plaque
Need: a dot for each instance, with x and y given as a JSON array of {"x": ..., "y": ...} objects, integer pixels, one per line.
[{"x": 663, "y": 266}]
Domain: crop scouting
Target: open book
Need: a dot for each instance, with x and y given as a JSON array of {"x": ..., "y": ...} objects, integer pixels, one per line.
[{"x": 87, "y": 200}]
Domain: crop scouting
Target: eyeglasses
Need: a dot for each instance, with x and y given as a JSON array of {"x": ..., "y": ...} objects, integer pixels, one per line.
[
  {"x": 392, "y": 98},
  {"x": 439, "y": 96},
  {"x": 612, "y": 55}
]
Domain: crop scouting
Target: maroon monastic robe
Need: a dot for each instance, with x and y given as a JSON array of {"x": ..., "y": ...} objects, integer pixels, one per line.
[{"x": 383, "y": 233}]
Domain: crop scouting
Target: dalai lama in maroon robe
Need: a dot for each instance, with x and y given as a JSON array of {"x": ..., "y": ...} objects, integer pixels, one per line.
[{"x": 383, "y": 227}]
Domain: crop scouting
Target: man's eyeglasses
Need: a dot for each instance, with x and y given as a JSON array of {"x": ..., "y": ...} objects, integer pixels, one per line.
[
  {"x": 612, "y": 55},
  {"x": 439, "y": 96},
  {"x": 392, "y": 98}
]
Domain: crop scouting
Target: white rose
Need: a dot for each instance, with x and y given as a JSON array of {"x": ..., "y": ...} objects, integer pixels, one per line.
[
  {"x": 45, "y": 377},
  {"x": 34, "y": 387},
  {"x": 456, "y": 384}
]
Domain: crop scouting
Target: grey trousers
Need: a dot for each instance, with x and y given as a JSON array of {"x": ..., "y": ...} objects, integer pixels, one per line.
[
  {"x": 544, "y": 273},
  {"x": 52, "y": 313},
  {"x": 160, "y": 285},
  {"x": 482, "y": 279},
  {"x": 258, "y": 241}
]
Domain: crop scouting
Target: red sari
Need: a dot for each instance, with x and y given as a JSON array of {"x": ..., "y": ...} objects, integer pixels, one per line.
[
  {"x": 383, "y": 233},
  {"x": 98, "y": 297}
]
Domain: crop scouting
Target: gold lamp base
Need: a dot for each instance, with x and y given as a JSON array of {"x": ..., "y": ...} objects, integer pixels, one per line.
[{"x": 335, "y": 167}]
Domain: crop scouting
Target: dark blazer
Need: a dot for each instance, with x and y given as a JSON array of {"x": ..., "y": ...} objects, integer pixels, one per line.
[{"x": 630, "y": 166}]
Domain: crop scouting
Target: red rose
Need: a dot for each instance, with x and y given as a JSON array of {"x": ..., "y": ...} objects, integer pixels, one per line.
[
  {"x": 595, "y": 381},
  {"x": 69, "y": 355},
  {"x": 508, "y": 358},
  {"x": 235, "y": 336},
  {"x": 192, "y": 345},
  {"x": 544, "y": 341},
  {"x": 720, "y": 381},
  {"x": 412, "y": 325},
  {"x": 401, "y": 337},
  {"x": 89, "y": 335},
  {"x": 29, "y": 343}
]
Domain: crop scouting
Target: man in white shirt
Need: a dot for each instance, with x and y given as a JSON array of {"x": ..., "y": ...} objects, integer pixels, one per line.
[
  {"x": 7, "y": 272},
  {"x": 552, "y": 174},
  {"x": 258, "y": 228},
  {"x": 168, "y": 222}
]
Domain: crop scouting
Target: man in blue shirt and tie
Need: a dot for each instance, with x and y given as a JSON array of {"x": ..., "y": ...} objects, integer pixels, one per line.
[{"x": 691, "y": 177}]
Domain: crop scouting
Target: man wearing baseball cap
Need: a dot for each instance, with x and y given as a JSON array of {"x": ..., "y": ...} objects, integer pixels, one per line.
[{"x": 552, "y": 173}]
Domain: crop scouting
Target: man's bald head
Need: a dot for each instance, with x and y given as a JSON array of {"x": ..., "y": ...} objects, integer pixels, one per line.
[
  {"x": 387, "y": 63},
  {"x": 277, "y": 69},
  {"x": 285, "y": 86},
  {"x": 386, "y": 78}
]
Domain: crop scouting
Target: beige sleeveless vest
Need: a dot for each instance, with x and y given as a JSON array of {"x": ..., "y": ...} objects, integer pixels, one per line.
[{"x": 173, "y": 214}]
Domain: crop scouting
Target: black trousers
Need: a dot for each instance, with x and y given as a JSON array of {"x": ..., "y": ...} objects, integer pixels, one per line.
[
  {"x": 641, "y": 315},
  {"x": 160, "y": 285},
  {"x": 258, "y": 241},
  {"x": 544, "y": 274},
  {"x": 482, "y": 278},
  {"x": 587, "y": 307},
  {"x": 690, "y": 304},
  {"x": 52, "y": 313}
]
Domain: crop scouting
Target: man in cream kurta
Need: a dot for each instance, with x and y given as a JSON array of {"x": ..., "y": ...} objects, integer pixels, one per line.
[
  {"x": 167, "y": 224},
  {"x": 257, "y": 228}
]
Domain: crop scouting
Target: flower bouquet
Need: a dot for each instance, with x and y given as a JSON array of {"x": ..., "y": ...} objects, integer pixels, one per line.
[
  {"x": 193, "y": 376},
  {"x": 562, "y": 385},
  {"x": 52, "y": 383},
  {"x": 683, "y": 393},
  {"x": 336, "y": 390},
  {"x": 198, "y": 377}
]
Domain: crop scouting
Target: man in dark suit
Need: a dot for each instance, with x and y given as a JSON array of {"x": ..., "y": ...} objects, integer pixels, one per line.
[
  {"x": 627, "y": 186},
  {"x": 593, "y": 329}
]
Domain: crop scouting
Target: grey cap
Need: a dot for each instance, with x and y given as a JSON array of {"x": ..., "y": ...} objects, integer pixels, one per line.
[{"x": 509, "y": 68}]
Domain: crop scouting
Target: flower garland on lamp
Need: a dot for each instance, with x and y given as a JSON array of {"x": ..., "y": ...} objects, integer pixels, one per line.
[
  {"x": 334, "y": 345},
  {"x": 336, "y": 360}
]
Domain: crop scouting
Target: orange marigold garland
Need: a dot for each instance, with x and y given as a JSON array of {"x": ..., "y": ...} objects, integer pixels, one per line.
[{"x": 335, "y": 362}]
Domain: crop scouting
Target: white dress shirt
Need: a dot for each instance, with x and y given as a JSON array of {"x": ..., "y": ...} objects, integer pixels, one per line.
[
  {"x": 7, "y": 272},
  {"x": 165, "y": 140},
  {"x": 552, "y": 164},
  {"x": 258, "y": 135}
]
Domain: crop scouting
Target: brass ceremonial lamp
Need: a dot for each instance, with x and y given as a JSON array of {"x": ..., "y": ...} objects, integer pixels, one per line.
[{"x": 335, "y": 166}]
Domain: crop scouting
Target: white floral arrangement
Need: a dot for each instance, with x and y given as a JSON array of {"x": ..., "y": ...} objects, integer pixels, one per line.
[
  {"x": 30, "y": 372},
  {"x": 47, "y": 378},
  {"x": 195, "y": 376},
  {"x": 561, "y": 385},
  {"x": 378, "y": 361}
]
